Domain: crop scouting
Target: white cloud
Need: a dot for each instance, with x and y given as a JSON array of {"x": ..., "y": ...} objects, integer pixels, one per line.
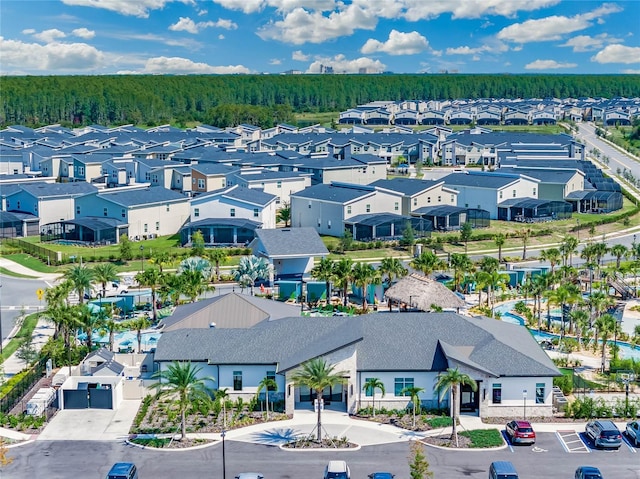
[
  {"x": 202, "y": 12},
  {"x": 548, "y": 65},
  {"x": 617, "y": 54},
  {"x": 29, "y": 31},
  {"x": 553, "y": 27},
  {"x": 341, "y": 64},
  {"x": 299, "y": 56},
  {"x": 630, "y": 71},
  {"x": 48, "y": 36},
  {"x": 252, "y": 6},
  {"x": 585, "y": 43},
  {"x": 186, "y": 43},
  {"x": 221, "y": 37},
  {"x": 185, "y": 24},
  {"x": 275, "y": 61},
  {"x": 59, "y": 57},
  {"x": 178, "y": 66},
  {"x": 247, "y": 6},
  {"x": 464, "y": 50},
  {"x": 300, "y": 26},
  {"x": 83, "y": 33},
  {"x": 136, "y": 8},
  {"x": 398, "y": 44}
]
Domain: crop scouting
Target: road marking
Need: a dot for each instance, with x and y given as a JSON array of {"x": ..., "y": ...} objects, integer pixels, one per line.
[
  {"x": 538, "y": 449},
  {"x": 572, "y": 442},
  {"x": 628, "y": 444},
  {"x": 506, "y": 438}
]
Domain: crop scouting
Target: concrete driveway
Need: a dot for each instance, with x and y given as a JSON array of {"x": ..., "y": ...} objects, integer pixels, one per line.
[{"x": 91, "y": 424}]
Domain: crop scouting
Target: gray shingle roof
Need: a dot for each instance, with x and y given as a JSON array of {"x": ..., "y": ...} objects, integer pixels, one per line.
[
  {"x": 406, "y": 186},
  {"x": 384, "y": 341},
  {"x": 143, "y": 196},
  {"x": 284, "y": 242},
  {"x": 335, "y": 193},
  {"x": 546, "y": 176},
  {"x": 488, "y": 180},
  {"x": 43, "y": 190}
]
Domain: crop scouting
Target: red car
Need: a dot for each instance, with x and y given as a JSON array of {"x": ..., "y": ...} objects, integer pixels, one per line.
[{"x": 520, "y": 432}]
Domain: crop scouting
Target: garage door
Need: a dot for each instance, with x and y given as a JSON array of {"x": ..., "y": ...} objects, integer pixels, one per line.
[
  {"x": 88, "y": 397},
  {"x": 100, "y": 398},
  {"x": 75, "y": 399}
]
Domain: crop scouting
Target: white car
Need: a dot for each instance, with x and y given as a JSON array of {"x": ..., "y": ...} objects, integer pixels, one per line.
[
  {"x": 633, "y": 432},
  {"x": 249, "y": 475},
  {"x": 337, "y": 470}
]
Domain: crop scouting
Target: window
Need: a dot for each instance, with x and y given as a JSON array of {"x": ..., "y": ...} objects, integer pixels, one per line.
[
  {"x": 514, "y": 193},
  {"x": 147, "y": 176},
  {"x": 369, "y": 390},
  {"x": 168, "y": 207},
  {"x": 395, "y": 206},
  {"x": 224, "y": 183},
  {"x": 496, "y": 396},
  {"x": 501, "y": 195},
  {"x": 80, "y": 170},
  {"x": 77, "y": 210},
  {"x": 534, "y": 192},
  {"x": 415, "y": 202},
  {"x": 232, "y": 212},
  {"x": 279, "y": 184},
  {"x": 255, "y": 212},
  {"x": 123, "y": 213},
  {"x": 439, "y": 199},
  {"x": 271, "y": 375},
  {"x": 146, "y": 227},
  {"x": 157, "y": 226},
  {"x": 196, "y": 212},
  {"x": 201, "y": 183},
  {"x": 105, "y": 211},
  {"x": 237, "y": 380},
  {"x": 452, "y": 198},
  {"x": 539, "y": 393},
  {"x": 368, "y": 208},
  {"x": 328, "y": 224},
  {"x": 309, "y": 204},
  {"x": 400, "y": 384},
  {"x": 428, "y": 200},
  {"x": 348, "y": 210}
]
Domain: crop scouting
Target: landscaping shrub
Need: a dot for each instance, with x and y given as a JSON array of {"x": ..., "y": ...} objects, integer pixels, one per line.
[{"x": 483, "y": 438}]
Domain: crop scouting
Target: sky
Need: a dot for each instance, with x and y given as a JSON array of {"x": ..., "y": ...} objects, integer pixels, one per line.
[{"x": 97, "y": 37}]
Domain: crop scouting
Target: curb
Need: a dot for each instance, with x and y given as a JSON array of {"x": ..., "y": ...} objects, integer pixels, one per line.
[
  {"x": 319, "y": 449},
  {"x": 21, "y": 443},
  {"x": 172, "y": 449},
  {"x": 465, "y": 449}
]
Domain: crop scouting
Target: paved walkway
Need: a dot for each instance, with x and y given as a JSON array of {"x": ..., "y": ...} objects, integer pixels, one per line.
[{"x": 23, "y": 270}]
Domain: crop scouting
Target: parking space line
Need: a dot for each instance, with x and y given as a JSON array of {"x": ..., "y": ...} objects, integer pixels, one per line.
[
  {"x": 628, "y": 444},
  {"x": 506, "y": 438},
  {"x": 572, "y": 442}
]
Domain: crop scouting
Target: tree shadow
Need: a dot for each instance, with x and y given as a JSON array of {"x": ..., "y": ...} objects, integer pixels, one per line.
[{"x": 276, "y": 436}]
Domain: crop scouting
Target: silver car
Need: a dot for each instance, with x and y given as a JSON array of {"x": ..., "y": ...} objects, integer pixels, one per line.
[{"x": 633, "y": 432}]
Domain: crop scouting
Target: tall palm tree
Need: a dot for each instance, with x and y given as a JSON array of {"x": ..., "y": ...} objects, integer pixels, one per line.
[
  {"x": 580, "y": 318},
  {"x": 104, "y": 273},
  {"x": 222, "y": 395},
  {"x": 250, "y": 269},
  {"x": 552, "y": 255},
  {"x": 110, "y": 327},
  {"x": 151, "y": 278},
  {"x": 450, "y": 382},
  {"x": 525, "y": 235},
  {"x": 427, "y": 263},
  {"x": 284, "y": 214},
  {"x": 88, "y": 322},
  {"x": 392, "y": 268},
  {"x": 494, "y": 280},
  {"x": 604, "y": 326},
  {"x": 568, "y": 248},
  {"x": 566, "y": 294},
  {"x": 66, "y": 322},
  {"x": 539, "y": 284},
  {"x": 461, "y": 264},
  {"x": 414, "y": 392},
  {"x": 181, "y": 381},
  {"x": 499, "y": 240},
  {"x": 80, "y": 277},
  {"x": 599, "y": 302},
  {"x": 363, "y": 275},
  {"x": 317, "y": 374},
  {"x": 371, "y": 384},
  {"x": 324, "y": 272},
  {"x": 138, "y": 324},
  {"x": 268, "y": 384},
  {"x": 194, "y": 284},
  {"x": 343, "y": 274},
  {"x": 217, "y": 256},
  {"x": 619, "y": 251},
  {"x": 58, "y": 296},
  {"x": 172, "y": 288}
]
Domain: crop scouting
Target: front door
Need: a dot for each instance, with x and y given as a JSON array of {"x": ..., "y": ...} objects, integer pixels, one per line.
[{"x": 469, "y": 399}]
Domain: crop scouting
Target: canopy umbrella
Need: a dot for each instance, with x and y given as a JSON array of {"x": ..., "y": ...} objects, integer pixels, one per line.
[{"x": 424, "y": 294}]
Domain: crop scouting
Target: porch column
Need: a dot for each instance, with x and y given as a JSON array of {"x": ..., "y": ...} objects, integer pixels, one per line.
[
  {"x": 211, "y": 237},
  {"x": 235, "y": 234}
]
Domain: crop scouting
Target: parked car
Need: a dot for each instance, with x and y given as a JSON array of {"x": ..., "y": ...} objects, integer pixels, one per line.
[
  {"x": 502, "y": 470},
  {"x": 337, "y": 470},
  {"x": 520, "y": 432},
  {"x": 249, "y": 475},
  {"x": 123, "y": 470},
  {"x": 633, "y": 432},
  {"x": 604, "y": 434},
  {"x": 588, "y": 472},
  {"x": 381, "y": 475}
]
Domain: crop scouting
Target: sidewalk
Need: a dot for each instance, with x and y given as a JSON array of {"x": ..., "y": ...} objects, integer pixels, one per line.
[
  {"x": 41, "y": 334},
  {"x": 23, "y": 270}
]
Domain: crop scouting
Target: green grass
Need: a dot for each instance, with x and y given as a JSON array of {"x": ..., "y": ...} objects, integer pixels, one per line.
[
  {"x": 25, "y": 331},
  {"x": 31, "y": 263},
  {"x": 483, "y": 438},
  {"x": 8, "y": 272},
  {"x": 438, "y": 421}
]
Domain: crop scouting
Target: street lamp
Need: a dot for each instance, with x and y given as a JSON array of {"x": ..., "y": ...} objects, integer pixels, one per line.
[
  {"x": 224, "y": 461},
  {"x": 524, "y": 398},
  {"x": 141, "y": 258},
  {"x": 578, "y": 229}
]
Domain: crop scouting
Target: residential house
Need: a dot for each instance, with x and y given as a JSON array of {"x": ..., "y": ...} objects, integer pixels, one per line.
[
  {"x": 281, "y": 184},
  {"x": 209, "y": 177}
]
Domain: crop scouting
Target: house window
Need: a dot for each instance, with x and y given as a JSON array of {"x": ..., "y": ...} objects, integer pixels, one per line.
[
  {"x": 496, "y": 396},
  {"x": 279, "y": 184},
  {"x": 514, "y": 193},
  {"x": 368, "y": 208},
  {"x": 271, "y": 375},
  {"x": 105, "y": 212},
  {"x": 415, "y": 202},
  {"x": 237, "y": 380},
  {"x": 196, "y": 212},
  {"x": 77, "y": 210},
  {"x": 400, "y": 384},
  {"x": 168, "y": 207},
  {"x": 328, "y": 224},
  {"x": 309, "y": 204},
  {"x": 146, "y": 227},
  {"x": 224, "y": 183},
  {"x": 439, "y": 199},
  {"x": 395, "y": 206},
  {"x": 369, "y": 390},
  {"x": 428, "y": 200},
  {"x": 123, "y": 213},
  {"x": 232, "y": 212},
  {"x": 255, "y": 212},
  {"x": 348, "y": 210},
  {"x": 147, "y": 176},
  {"x": 319, "y": 222},
  {"x": 157, "y": 226},
  {"x": 501, "y": 195},
  {"x": 452, "y": 199},
  {"x": 534, "y": 192},
  {"x": 539, "y": 393},
  {"x": 200, "y": 183},
  {"x": 80, "y": 170}
]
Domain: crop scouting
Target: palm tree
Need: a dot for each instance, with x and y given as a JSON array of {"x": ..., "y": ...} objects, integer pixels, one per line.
[
  {"x": 88, "y": 322},
  {"x": 172, "y": 288},
  {"x": 461, "y": 264},
  {"x": 250, "y": 269},
  {"x": 105, "y": 273},
  {"x": 80, "y": 277},
  {"x": 604, "y": 325},
  {"x": 451, "y": 381},
  {"x": 619, "y": 251},
  {"x": 268, "y": 384},
  {"x": 194, "y": 284},
  {"x": 57, "y": 297},
  {"x": 371, "y": 384},
  {"x": 414, "y": 392},
  {"x": 427, "y": 263},
  {"x": 196, "y": 263},
  {"x": 110, "y": 327},
  {"x": 580, "y": 318},
  {"x": 525, "y": 235},
  {"x": 494, "y": 280},
  {"x": 539, "y": 284},
  {"x": 568, "y": 248},
  {"x": 138, "y": 324},
  {"x": 599, "y": 302},
  {"x": 222, "y": 395},
  {"x": 552, "y": 255},
  {"x": 324, "y": 272},
  {"x": 162, "y": 259},
  {"x": 151, "y": 278},
  {"x": 217, "y": 255},
  {"x": 565, "y": 295},
  {"x": 392, "y": 268},
  {"x": 363, "y": 275},
  {"x": 284, "y": 214},
  {"x": 343, "y": 273},
  {"x": 499, "y": 240},
  {"x": 65, "y": 321},
  {"x": 317, "y": 374},
  {"x": 182, "y": 381}
]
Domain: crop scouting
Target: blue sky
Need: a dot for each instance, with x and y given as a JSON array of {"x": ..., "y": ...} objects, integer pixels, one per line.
[{"x": 273, "y": 36}]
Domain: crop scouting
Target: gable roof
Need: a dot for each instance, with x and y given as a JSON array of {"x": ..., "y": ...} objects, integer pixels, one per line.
[
  {"x": 47, "y": 190},
  {"x": 289, "y": 242},
  {"x": 337, "y": 193},
  {"x": 488, "y": 180},
  {"x": 407, "y": 186},
  {"x": 143, "y": 196}
]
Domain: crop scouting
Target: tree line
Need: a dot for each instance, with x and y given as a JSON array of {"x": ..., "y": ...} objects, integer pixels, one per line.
[{"x": 264, "y": 99}]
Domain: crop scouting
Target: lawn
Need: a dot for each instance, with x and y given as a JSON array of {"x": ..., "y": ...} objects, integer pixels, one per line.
[
  {"x": 25, "y": 331},
  {"x": 483, "y": 438}
]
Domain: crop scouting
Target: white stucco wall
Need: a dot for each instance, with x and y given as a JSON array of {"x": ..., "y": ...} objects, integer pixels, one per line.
[{"x": 169, "y": 222}]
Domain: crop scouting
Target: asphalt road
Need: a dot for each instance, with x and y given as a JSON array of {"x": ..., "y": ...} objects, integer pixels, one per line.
[
  {"x": 64, "y": 459},
  {"x": 16, "y": 294}
]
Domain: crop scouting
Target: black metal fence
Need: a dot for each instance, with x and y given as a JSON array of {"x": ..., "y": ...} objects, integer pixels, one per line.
[
  {"x": 23, "y": 386},
  {"x": 47, "y": 255}
]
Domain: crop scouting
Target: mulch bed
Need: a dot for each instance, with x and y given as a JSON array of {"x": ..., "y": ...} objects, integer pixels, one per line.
[
  {"x": 446, "y": 441},
  {"x": 325, "y": 444},
  {"x": 180, "y": 444},
  {"x": 405, "y": 422},
  {"x": 545, "y": 419}
]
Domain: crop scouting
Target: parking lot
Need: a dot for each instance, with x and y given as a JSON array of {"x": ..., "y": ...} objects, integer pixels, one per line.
[{"x": 568, "y": 441}]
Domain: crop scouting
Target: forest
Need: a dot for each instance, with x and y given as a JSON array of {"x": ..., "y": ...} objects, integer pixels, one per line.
[{"x": 263, "y": 100}]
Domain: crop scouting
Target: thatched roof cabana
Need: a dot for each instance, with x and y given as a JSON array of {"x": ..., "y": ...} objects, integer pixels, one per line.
[{"x": 419, "y": 292}]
